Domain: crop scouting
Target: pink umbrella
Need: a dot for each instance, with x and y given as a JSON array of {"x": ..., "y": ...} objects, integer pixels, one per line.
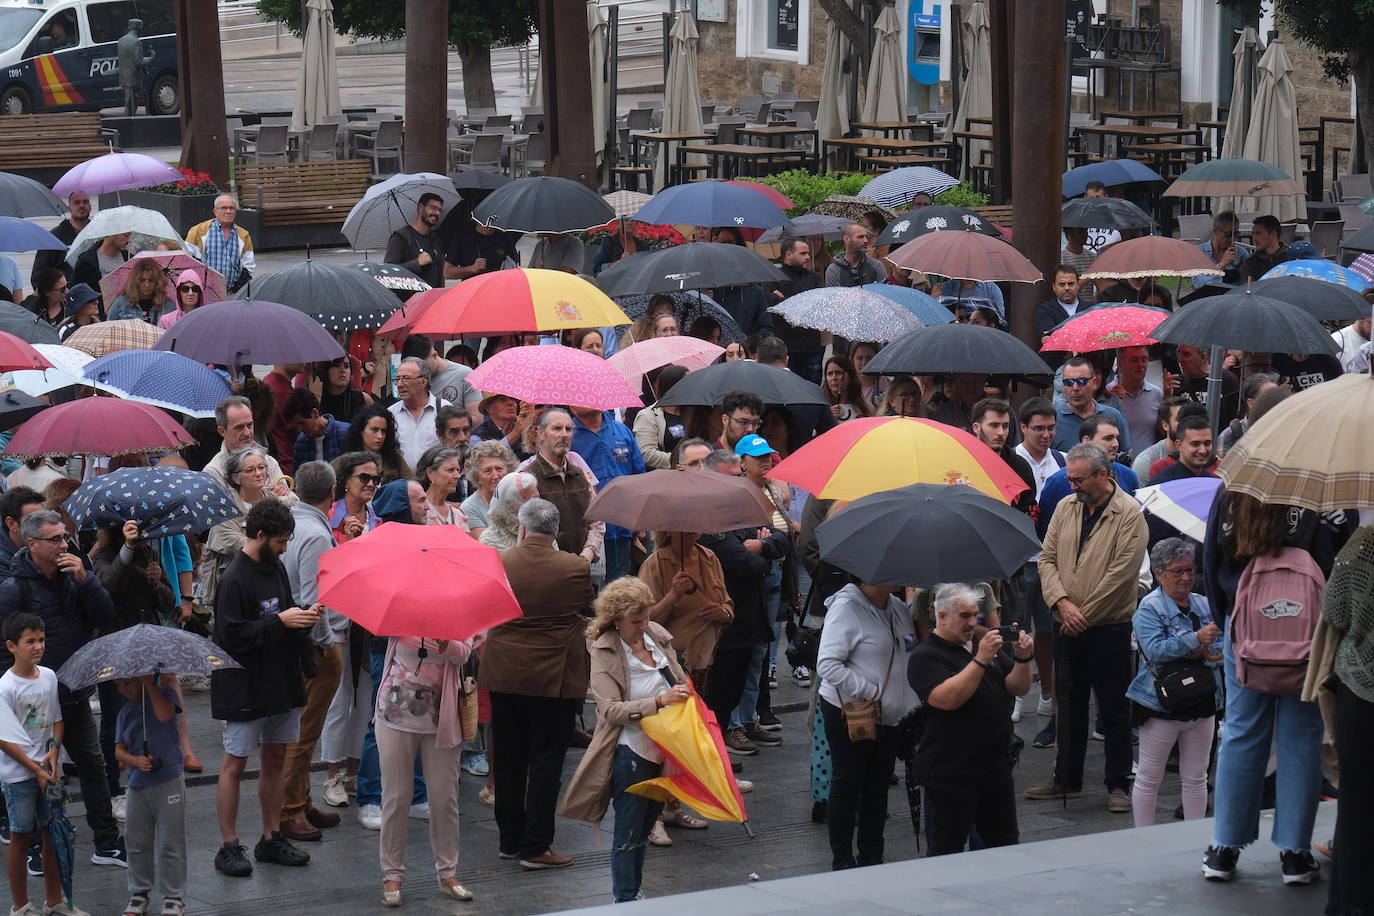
[
  {"x": 172, "y": 263},
  {"x": 688, "y": 352},
  {"x": 115, "y": 172},
  {"x": 555, "y": 375},
  {"x": 97, "y": 426}
]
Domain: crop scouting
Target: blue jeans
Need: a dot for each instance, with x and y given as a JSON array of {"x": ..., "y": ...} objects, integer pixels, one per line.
[
  {"x": 747, "y": 710},
  {"x": 634, "y": 818},
  {"x": 1253, "y": 721},
  {"x": 369, "y": 766},
  {"x": 617, "y": 553}
]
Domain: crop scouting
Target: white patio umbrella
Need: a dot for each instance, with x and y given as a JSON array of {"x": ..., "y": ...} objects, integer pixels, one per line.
[
  {"x": 317, "y": 89},
  {"x": 975, "y": 101},
  {"x": 597, "y": 29},
  {"x": 885, "y": 93},
  {"x": 1233, "y": 143},
  {"x": 1273, "y": 133},
  {"x": 832, "y": 117},
  {"x": 681, "y": 98}
]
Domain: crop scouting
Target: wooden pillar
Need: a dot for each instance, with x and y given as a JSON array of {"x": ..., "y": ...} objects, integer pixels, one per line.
[
  {"x": 1002, "y": 20},
  {"x": 200, "y": 74},
  {"x": 569, "y": 148},
  {"x": 426, "y": 94}
]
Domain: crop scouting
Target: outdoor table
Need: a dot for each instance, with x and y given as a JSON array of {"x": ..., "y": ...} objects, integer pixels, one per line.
[
  {"x": 780, "y": 134},
  {"x": 1142, "y": 118},
  {"x": 1218, "y": 129},
  {"x": 294, "y": 135},
  {"x": 891, "y": 146},
  {"x": 738, "y": 159},
  {"x": 1160, "y": 153},
  {"x": 1124, "y": 133},
  {"x": 896, "y": 162},
  {"x": 896, "y": 128},
  {"x": 965, "y": 140},
  {"x": 638, "y": 138}
]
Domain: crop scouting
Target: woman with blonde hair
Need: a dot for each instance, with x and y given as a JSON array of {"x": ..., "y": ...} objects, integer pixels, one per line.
[{"x": 145, "y": 294}]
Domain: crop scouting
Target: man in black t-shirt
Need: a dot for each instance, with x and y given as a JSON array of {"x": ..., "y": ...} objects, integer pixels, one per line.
[
  {"x": 1301, "y": 371},
  {"x": 416, "y": 246},
  {"x": 964, "y": 759},
  {"x": 480, "y": 250},
  {"x": 1191, "y": 383}
]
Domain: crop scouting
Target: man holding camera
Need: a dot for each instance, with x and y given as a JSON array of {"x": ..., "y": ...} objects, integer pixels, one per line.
[{"x": 967, "y": 686}]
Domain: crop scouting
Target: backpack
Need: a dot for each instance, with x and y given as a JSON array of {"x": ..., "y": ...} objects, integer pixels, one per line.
[{"x": 1278, "y": 602}]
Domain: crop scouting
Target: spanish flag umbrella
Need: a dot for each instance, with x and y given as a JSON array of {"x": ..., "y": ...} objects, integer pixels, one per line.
[
  {"x": 873, "y": 454},
  {"x": 521, "y": 299},
  {"x": 696, "y": 770}
]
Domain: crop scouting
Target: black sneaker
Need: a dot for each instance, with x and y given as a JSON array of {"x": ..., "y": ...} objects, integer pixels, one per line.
[
  {"x": 4, "y": 828},
  {"x": 232, "y": 860},
  {"x": 1046, "y": 736},
  {"x": 1299, "y": 867},
  {"x": 769, "y": 722},
  {"x": 1219, "y": 863},
  {"x": 115, "y": 855},
  {"x": 772, "y": 677},
  {"x": 279, "y": 851},
  {"x": 35, "y": 863}
]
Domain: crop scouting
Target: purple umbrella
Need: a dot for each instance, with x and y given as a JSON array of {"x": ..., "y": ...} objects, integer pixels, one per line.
[
  {"x": 243, "y": 332},
  {"x": 1183, "y": 503},
  {"x": 115, "y": 172}
]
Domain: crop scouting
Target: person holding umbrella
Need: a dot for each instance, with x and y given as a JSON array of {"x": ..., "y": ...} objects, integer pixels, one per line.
[
  {"x": 416, "y": 246},
  {"x": 145, "y": 294},
  {"x": 82, "y": 306}
]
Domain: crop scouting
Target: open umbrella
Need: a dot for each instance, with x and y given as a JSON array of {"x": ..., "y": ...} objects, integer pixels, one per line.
[
  {"x": 869, "y": 454},
  {"x": 885, "y": 93},
  {"x": 852, "y": 208},
  {"x": 391, "y": 204},
  {"x": 897, "y": 187},
  {"x": 140, "y": 650},
  {"x": 466, "y": 178},
  {"x": 1363, "y": 267},
  {"x": 23, "y": 197},
  {"x": 1107, "y": 212},
  {"x": 1360, "y": 241},
  {"x": 391, "y": 276},
  {"x": 1183, "y": 503},
  {"x": 681, "y": 501},
  {"x": 696, "y": 768},
  {"x": 67, "y": 364},
  {"x": 21, "y": 235},
  {"x": 163, "y": 500},
  {"x": 250, "y": 332},
  {"x": 19, "y": 321},
  {"x": 338, "y": 298},
  {"x": 1111, "y": 172},
  {"x": 555, "y": 375},
  {"x": 160, "y": 378},
  {"x": 625, "y": 204},
  {"x": 925, "y": 307},
  {"x": 688, "y": 308},
  {"x": 1323, "y": 301},
  {"x": 1106, "y": 327},
  {"x": 115, "y": 172},
  {"x": 681, "y": 94},
  {"x": 398, "y": 326},
  {"x": 695, "y": 265},
  {"x": 1319, "y": 269},
  {"x": 543, "y": 204},
  {"x": 907, "y": 226},
  {"x": 966, "y": 255},
  {"x": 372, "y": 580},
  {"x": 1272, "y": 137},
  {"x": 108, "y": 336},
  {"x": 121, "y": 220},
  {"x": 1245, "y": 321},
  {"x": 853, "y": 313},
  {"x": 975, "y": 98},
  {"x": 712, "y": 203},
  {"x": 647, "y": 355},
  {"x": 16, "y": 353},
  {"x": 924, "y": 534},
  {"x": 1233, "y": 178},
  {"x": 317, "y": 86},
  {"x": 522, "y": 299},
  {"x": 172, "y": 263},
  {"x": 958, "y": 348},
  {"x": 779, "y": 199},
  {"x": 1152, "y": 256},
  {"x": 97, "y": 426},
  {"x": 827, "y": 228},
  {"x": 17, "y": 407},
  {"x": 707, "y": 387}
]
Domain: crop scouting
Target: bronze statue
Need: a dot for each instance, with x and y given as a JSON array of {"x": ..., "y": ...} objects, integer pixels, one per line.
[{"x": 133, "y": 65}]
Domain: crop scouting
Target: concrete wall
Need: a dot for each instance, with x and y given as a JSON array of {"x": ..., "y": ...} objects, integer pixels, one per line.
[{"x": 724, "y": 77}]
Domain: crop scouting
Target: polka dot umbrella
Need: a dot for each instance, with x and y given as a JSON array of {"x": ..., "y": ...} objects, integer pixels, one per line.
[{"x": 555, "y": 375}]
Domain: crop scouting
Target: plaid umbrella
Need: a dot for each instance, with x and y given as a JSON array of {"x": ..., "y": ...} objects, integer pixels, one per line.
[
  {"x": 141, "y": 650},
  {"x": 626, "y": 203},
  {"x": 107, "y": 336}
]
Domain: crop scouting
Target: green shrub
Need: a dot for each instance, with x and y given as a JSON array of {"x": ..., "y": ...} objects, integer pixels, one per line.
[
  {"x": 961, "y": 195},
  {"x": 806, "y": 189}
]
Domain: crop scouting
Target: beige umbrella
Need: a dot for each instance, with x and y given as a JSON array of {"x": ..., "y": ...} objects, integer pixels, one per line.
[
  {"x": 596, "y": 27},
  {"x": 1233, "y": 143},
  {"x": 885, "y": 93},
  {"x": 975, "y": 101},
  {"x": 1273, "y": 133},
  {"x": 681, "y": 98},
  {"x": 317, "y": 89},
  {"x": 832, "y": 118}
]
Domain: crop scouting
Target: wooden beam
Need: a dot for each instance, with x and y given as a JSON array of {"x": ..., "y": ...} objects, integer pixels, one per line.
[
  {"x": 204, "y": 134},
  {"x": 426, "y": 140},
  {"x": 569, "y": 147}
]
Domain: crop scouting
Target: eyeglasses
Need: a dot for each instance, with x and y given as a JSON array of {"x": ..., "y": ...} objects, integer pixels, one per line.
[
  {"x": 746, "y": 423},
  {"x": 368, "y": 479},
  {"x": 1041, "y": 429},
  {"x": 55, "y": 540},
  {"x": 1181, "y": 572},
  {"x": 407, "y": 378},
  {"x": 1076, "y": 382}
]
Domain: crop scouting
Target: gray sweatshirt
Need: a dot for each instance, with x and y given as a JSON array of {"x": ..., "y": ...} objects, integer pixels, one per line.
[{"x": 864, "y": 650}]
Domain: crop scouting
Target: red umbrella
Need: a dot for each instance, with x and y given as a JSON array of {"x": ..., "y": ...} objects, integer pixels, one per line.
[
  {"x": 16, "y": 353},
  {"x": 425, "y": 581},
  {"x": 1106, "y": 328},
  {"x": 1152, "y": 256},
  {"x": 398, "y": 326},
  {"x": 97, "y": 426},
  {"x": 965, "y": 255},
  {"x": 779, "y": 199}
]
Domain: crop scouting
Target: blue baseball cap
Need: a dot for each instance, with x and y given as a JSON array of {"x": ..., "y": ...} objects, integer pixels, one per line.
[
  {"x": 754, "y": 446},
  {"x": 1303, "y": 249}
]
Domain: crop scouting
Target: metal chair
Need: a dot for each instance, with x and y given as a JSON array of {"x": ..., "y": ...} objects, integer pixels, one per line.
[
  {"x": 385, "y": 144},
  {"x": 322, "y": 139},
  {"x": 1326, "y": 237},
  {"x": 496, "y": 124},
  {"x": 1194, "y": 227},
  {"x": 1354, "y": 218},
  {"x": 485, "y": 154},
  {"x": 639, "y": 118},
  {"x": 748, "y": 106},
  {"x": 270, "y": 145},
  {"x": 1354, "y": 188},
  {"x": 534, "y": 162}
]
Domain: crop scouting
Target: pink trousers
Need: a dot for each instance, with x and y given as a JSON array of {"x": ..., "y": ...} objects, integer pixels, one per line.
[{"x": 1157, "y": 739}]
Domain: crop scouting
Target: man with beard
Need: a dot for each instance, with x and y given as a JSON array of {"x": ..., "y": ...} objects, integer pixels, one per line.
[
  {"x": 416, "y": 246},
  {"x": 567, "y": 482}
]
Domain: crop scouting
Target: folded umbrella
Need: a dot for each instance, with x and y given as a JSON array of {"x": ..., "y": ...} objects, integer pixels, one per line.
[
  {"x": 1106, "y": 327},
  {"x": 115, "y": 172},
  {"x": 339, "y": 298},
  {"x": 523, "y": 299},
  {"x": 925, "y": 534},
  {"x": 17, "y": 407},
  {"x": 555, "y": 375},
  {"x": 712, "y": 203},
  {"x": 22, "y": 235},
  {"x": 925, "y": 307},
  {"x": 16, "y": 353},
  {"x": 250, "y": 332},
  {"x": 647, "y": 355},
  {"x": 1110, "y": 172},
  {"x": 122, "y": 220},
  {"x": 1245, "y": 321},
  {"x": 695, "y": 265},
  {"x": 688, "y": 307},
  {"x": 682, "y": 501},
  {"x": 853, "y": 313},
  {"x": 97, "y": 426},
  {"x": 1152, "y": 256},
  {"x": 141, "y": 650},
  {"x": 958, "y": 348},
  {"x": 707, "y": 387},
  {"x": 390, "y": 204},
  {"x": 23, "y": 197},
  {"x": 159, "y": 378},
  {"x": 1183, "y": 503},
  {"x": 897, "y": 187},
  {"x": 543, "y": 204},
  {"x": 1106, "y": 212},
  {"x": 906, "y": 226},
  {"x": 966, "y": 255},
  {"x": 696, "y": 769},
  {"x": 1322, "y": 300},
  {"x": 104, "y": 337},
  {"x": 61, "y": 836}
]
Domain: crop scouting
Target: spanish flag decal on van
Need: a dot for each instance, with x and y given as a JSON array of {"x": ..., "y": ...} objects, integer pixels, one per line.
[{"x": 57, "y": 89}]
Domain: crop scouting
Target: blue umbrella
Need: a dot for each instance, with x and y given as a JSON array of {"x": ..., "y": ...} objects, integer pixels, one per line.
[
  {"x": 22, "y": 235},
  {"x": 141, "y": 650},
  {"x": 164, "y": 501},
  {"x": 712, "y": 203},
  {"x": 160, "y": 378},
  {"x": 925, "y": 307},
  {"x": 1319, "y": 269},
  {"x": 62, "y": 835},
  {"x": 1110, "y": 172}
]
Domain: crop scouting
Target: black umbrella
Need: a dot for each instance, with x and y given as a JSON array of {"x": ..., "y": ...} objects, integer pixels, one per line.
[
  {"x": 687, "y": 308},
  {"x": 1360, "y": 241},
  {"x": 959, "y": 348},
  {"x": 23, "y": 197},
  {"x": 477, "y": 180},
  {"x": 16, "y": 407},
  {"x": 695, "y": 265},
  {"x": 543, "y": 204},
  {"x": 907, "y": 226},
  {"x": 1244, "y": 321},
  {"x": 1104, "y": 212},
  {"x": 22, "y": 323},
  {"x": 391, "y": 276},
  {"x": 339, "y": 298},
  {"x": 1322, "y": 300},
  {"x": 708, "y": 387},
  {"x": 926, "y": 534}
]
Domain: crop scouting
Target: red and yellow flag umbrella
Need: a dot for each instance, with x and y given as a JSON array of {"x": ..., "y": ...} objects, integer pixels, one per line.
[
  {"x": 873, "y": 454},
  {"x": 522, "y": 299},
  {"x": 696, "y": 769}
]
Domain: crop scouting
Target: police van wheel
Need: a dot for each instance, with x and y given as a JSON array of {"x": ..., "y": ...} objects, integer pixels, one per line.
[
  {"x": 164, "y": 98},
  {"x": 15, "y": 101}
]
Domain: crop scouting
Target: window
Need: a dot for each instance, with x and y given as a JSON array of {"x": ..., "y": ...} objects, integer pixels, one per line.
[
  {"x": 157, "y": 17},
  {"x": 774, "y": 29},
  {"x": 58, "y": 33},
  {"x": 782, "y": 24},
  {"x": 110, "y": 20}
]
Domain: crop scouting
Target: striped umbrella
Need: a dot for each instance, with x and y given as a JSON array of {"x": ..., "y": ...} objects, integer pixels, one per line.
[{"x": 897, "y": 187}]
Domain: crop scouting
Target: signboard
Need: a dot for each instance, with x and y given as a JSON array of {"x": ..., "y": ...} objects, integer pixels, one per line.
[
  {"x": 1078, "y": 15},
  {"x": 785, "y": 25},
  {"x": 712, "y": 11}
]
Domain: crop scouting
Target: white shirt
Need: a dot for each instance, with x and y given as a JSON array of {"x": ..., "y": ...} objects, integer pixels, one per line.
[
  {"x": 1042, "y": 469},
  {"x": 28, "y": 713},
  {"x": 414, "y": 436},
  {"x": 645, "y": 682},
  {"x": 1354, "y": 356}
]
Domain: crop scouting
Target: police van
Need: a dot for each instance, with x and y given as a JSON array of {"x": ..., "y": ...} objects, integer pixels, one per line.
[{"x": 61, "y": 55}]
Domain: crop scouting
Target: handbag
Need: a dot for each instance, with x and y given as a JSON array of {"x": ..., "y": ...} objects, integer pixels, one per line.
[
  {"x": 861, "y": 716},
  {"x": 1182, "y": 684},
  {"x": 467, "y": 700},
  {"x": 803, "y": 642}
]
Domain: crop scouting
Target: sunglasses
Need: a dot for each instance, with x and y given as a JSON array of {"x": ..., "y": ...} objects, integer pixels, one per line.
[
  {"x": 1076, "y": 382},
  {"x": 188, "y": 288},
  {"x": 368, "y": 479}
]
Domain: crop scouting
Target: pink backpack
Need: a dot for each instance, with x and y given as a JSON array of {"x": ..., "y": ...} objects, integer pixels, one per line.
[{"x": 1278, "y": 602}]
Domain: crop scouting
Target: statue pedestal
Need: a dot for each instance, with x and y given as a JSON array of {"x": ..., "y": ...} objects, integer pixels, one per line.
[{"x": 142, "y": 131}]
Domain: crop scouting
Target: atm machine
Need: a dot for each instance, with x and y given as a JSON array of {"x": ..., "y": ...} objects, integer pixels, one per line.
[{"x": 923, "y": 54}]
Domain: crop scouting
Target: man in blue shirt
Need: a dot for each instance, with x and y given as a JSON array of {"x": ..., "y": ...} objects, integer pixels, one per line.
[
  {"x": 1103, "y": 431},
  {"x": 320, "y": 437},
  {"x": 610, "y": 450},
  {"x": 1221, "y": 248},
  {"x": 1080, "y": 389}
]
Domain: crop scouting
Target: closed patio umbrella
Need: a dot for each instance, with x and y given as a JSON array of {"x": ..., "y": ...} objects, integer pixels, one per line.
[
  {"x": 317, "y": 88},
  {"x": 596, "y": 27},
  {"x": 975, "y": 101},
  {"x": 1273, "y": 133},
  {"x": 885, "y": 94},
  {"x": 1233, "y": 142},
  {"x": 832, "y": 117},
  {"x": 681, "y": 98}
]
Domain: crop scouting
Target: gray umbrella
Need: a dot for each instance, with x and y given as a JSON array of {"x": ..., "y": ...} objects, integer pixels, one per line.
[
  {"x": 139, "y": 650},
  {"x": 695, "y": 265},
  {"x": 339, "y": 298},
  {"x": 1244, "y": 321},
  {"x": 1322, "y": 300},
  {"x": 543, "y": 204},
  {"x": 707, "y": 387},
  {"x": 25, "y": 325},
  {"x": 1360, "y": 241},
  {"x": 1106, "y": 212},
  {"x": 950, "y": 348},
  {"x": 23, "y": 197}
]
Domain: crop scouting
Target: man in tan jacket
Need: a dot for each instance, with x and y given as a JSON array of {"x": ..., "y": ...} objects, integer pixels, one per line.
[{"x": 1088, "y": 572}]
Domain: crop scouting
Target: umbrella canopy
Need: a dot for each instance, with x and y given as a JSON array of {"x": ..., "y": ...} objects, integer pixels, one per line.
[
  {"x": 543, "y": 204},
  {"x": 1107, "y": 212},
  {"x": 524, "y": 299},
  {"x": 849, "y": 207},
  {"x": 907, "y": 226},
  {"x": 897, "y": 187},
  {"x": 885, "y": 93},
  {"x": 712, "y": 203},
  {"x": 832, "y": 115},
  {"x": 391, "y": 204},
  {"x": 1319, "y": 269},
  {"x": 1360, "y": 241},
  {"x": 16, "y": 407},
  {"x": 966, "y": 255},
  {"x": 97, "y": 426},
  {"x": 1273, "y": 134},
  {"x": 68, "y": 363},
  {"x": 1152, "y": 256},
  {"x": 250, "y": 332},
  {"x": 1242, "y": 320},
  {"x": 555, "y": 375},
  {"x": 115, "y": 172},
  {"x": 1238, "y": 116},
  {"x": 681, "y": 97},
  {"x": 647, "y": 355},
  {"x": 163, "y": 500},
  {"x": 870, "y": 454},
  {"x": 1183, "y": 503},
  {"x": 1110, "y": 172},
  {"x": 470, "y": 179},
  {"x": 1323, "y": 301},
  {"x": 17, "y": 353},
  {"x": 1106, "y": 327},
  {"x": 372, "y": 580},
  {"x": 925, "y": 307},
  {"x": 695, "y": 770},
  {"x": 828, "y": 228},
  {"x": 172, "y": 263},
  {"x": 957, "y": 348},
  {"x": 108, "y": 336},
  {"x": 19, "y": 321},
  {"x": 140, "y": 650},
  {"x": 159, "y": 378},
  {"x": 853, "y": 313},
  {"x": 708, "y": 387},
  {"x": 779, "y": 199},
  {"x": 975, "y": 98},
  {"x": 391, "y": 276},
  {"x": 398, "y": 326},
  {"x": 626, "y": 204},
  {"x": 338, "y": 298},
  {"x": 695, "y": 265},
  {"x": 317, "y": 87},
  {"x": 23, "y": 197},
  {"x": 1233, "y": 178},
  {"x": 669, "y": 501},
  {"x": 598, "y": 49},
  {"x": 21, "y": 235},
  {"x": 1312, "y": 450},
  {"x": 121, "y": 220},
  {"x": 925, "y": 534},
  {"x": 688, "y": 309}
]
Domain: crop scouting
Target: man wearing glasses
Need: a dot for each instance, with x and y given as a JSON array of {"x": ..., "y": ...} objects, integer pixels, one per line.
[
  {"x": 741, "y": 414},
  {"x": 1221, "y": 248},
  {"x": 416, "y": 410},
  {"x": 1080, "y": 390},
  {"x": 223, "y": 245}
]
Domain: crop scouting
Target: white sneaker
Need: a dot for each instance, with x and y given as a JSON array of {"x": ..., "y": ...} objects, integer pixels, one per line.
[
  {"x": 802, "y": 676},
  {"x": 1045, "y": 707},
  {"x": 1016, "y": 709},
  {"x": 63, "y": 909},
  {"x": 334, "y": 792},
  {"x": 420, "y": 812},
  {"x": 745, "y": 785},
  {"x": 120, "y": 806},
  {"x": 195, "y": 683},
  {"x": 370, "y": 816}
]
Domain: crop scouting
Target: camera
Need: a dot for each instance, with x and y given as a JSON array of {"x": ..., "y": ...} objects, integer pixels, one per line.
[{"x": 1009, "y": 633}]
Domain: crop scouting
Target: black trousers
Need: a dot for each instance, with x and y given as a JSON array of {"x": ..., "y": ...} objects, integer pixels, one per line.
[
  {"x": 861, "y": 775},
  {"x": 530, "y": 737},
  {"x": 1352, "y": 882},
  {"x": 81, "y": 738},
  {"x": 729, "y": 673},
  {"x": 988, "y": 803},
  {"x": 1095, "y": 662}
]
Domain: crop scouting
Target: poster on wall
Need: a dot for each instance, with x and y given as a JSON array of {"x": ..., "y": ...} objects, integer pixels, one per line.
[
  {"x": 1078, "y": 15},
  {"x": 785, "y": 25}
]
